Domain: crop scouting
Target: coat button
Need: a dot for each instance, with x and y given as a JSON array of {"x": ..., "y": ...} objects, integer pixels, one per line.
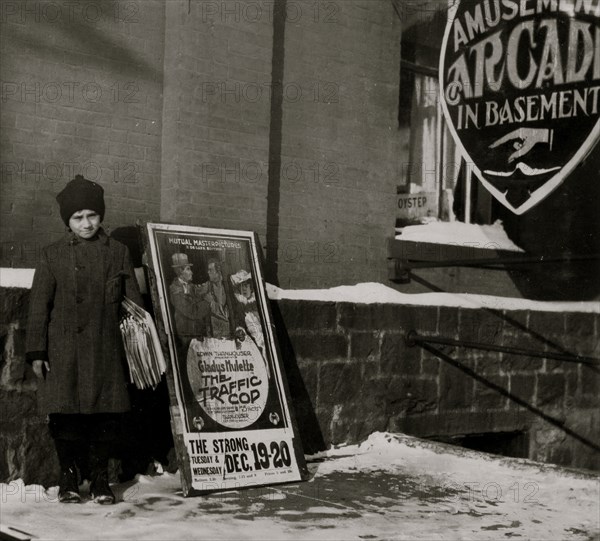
[
  {"x": 78, "y": 299},
  {"x": 79, "y": 330}
]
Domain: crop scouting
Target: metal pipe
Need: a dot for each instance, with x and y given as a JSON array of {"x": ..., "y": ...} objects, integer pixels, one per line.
[
  {"x": 439, "y": 158},
  {"x": 409, "y": 264},
  {"x": 468, "y": 184},
  {"x": 413, "y": 338},
  {"x": 419, "y": 68}
]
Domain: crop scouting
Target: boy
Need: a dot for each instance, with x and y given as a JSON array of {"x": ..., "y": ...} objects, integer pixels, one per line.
[{"x": 73, "y": 340}]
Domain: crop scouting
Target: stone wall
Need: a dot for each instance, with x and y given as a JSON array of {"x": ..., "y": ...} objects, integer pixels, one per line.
[
  {"x": 351, "y": 372},
  {"x": 26, "y": 449},
  {"x": 359, "y": 375}
]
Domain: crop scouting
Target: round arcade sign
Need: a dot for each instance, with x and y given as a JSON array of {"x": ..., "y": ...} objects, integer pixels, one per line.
[{"x": 520, "y": 90}]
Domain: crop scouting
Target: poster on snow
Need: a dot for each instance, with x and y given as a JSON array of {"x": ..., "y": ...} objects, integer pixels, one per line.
[
  {"x": 520, "y": 90},
  {"x": 233, "y": 425}
]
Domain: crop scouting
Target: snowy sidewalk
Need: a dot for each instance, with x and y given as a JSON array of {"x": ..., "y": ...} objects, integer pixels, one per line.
[{"x": 389, "y": 487}]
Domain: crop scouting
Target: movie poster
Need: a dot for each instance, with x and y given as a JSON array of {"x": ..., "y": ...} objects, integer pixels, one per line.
[{"x": 236, "y": 425}]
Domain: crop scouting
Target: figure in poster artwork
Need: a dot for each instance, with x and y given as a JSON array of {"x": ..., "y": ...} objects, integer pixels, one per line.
[
  {"x": 246, "y": 299},
  {"x": 244, "y": 294},
  {"x": 226, "y": 369},
  {"x": 192, "y": 311},
  {"x": 226, "y": 319}
]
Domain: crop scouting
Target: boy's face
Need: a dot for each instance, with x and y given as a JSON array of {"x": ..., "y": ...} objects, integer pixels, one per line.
[{"x": 85, "y": 223}]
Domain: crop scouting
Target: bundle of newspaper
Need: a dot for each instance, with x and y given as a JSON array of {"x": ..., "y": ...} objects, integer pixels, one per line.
[{"x": 142, "y": 347}]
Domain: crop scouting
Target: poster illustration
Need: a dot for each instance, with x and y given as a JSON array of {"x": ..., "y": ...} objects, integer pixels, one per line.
[
  {"x": 233, "y": 423},
  {"x": 520, "y": 90}
]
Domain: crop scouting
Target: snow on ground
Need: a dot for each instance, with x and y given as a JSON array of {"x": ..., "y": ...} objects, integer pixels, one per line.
[
  {"x": 389, "y": 487},
  {"x": 372, "y": 292},
  {"x": 490, "y": 237}
]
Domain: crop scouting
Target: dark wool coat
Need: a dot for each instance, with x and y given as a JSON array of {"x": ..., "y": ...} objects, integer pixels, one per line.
[{"x": 73, "y": 323}]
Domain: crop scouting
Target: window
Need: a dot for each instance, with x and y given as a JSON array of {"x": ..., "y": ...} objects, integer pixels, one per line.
[{"x": 434, "y": 177}]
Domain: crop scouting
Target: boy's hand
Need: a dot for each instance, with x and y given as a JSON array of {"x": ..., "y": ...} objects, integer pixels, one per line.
[{"x": 40, "y": 369}]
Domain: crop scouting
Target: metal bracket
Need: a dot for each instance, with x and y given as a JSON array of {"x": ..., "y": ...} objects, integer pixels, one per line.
[{"x": 412, "y": 338}]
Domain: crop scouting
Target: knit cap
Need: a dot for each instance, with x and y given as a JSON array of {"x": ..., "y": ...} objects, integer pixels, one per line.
[{"x": 80, "y": 194}]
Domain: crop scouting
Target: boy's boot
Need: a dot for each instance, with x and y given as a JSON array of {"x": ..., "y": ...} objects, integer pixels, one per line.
[
  {"x": 68, "y": 490},
  {"x": 68, "y": 487},
  {"x": 100, "y": 490}
]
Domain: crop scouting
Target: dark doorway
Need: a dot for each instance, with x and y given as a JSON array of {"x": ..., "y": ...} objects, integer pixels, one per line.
[{"x": 513, "y": 444}]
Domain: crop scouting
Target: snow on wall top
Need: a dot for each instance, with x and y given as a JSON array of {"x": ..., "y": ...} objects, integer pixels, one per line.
[
  {"x": 372, "y": 293},
  {"x": 16, "y": 277},
  {"x": 491, "y": 237}
]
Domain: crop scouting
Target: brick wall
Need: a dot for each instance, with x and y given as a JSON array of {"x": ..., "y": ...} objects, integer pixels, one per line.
[
  {"x": 182, "y": 111},
  {"x": 278, "y": 144},
  {"x": 279, "y": 117},
  {"x": 340, "y": 145},
  {"x": 81, "y": 93},
  {"x": 216, "y": 116}
]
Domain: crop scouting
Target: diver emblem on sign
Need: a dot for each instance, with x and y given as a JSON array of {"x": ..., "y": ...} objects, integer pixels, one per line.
[{"x": 520, "y": 90}]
